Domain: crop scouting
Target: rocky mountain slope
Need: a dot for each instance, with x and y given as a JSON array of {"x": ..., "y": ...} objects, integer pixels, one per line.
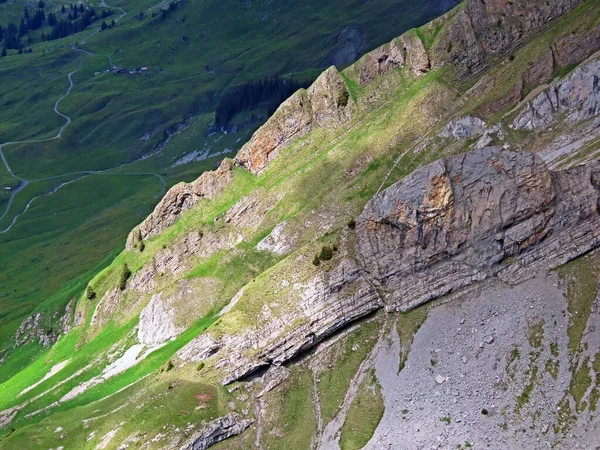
[{"x": 403, "y": 256}]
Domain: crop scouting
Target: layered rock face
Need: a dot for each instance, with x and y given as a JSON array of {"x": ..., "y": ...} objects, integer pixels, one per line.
[
  {"x": 216, "y": 431},
  {"x": 181, "y": 198},
  {"x": 405, "y": 51},
  {"x": 455, "y": 222},
  {"x": 326, "y": 103},
  {"x": 325, "y": 304},
  {"x": 577, "y": 96},
  {"x": 492, "y": 27}
]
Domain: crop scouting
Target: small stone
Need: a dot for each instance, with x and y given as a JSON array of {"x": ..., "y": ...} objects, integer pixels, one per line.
[
  {"x": 489, "y": 339},
  {"x": 545, "y": 428},
  {"x": 464, "y": 359},
  {"x": 58, "y": 429},
  {"x": 439, "y": 379},
  {"x": 481, "y": 344}
]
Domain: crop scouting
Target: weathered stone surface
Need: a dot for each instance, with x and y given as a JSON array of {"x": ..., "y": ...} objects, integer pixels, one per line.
[
  {"x": 454, "y": 221},
  {"x": 405, "y": 51},
  {"x": 180, "y": 255},
  {"x": 32, "y": 329},
  {"x": 181, "y": 198},
  {"x": 107, "y": 305},
  {"x": 492, "y": 27},
  {"x": 326, "y": 102},
  {"x": 463, "y": 127},
  {"x": 541, "y": 70},
  {"x": 573, "y": 48},
  {"x": 156, "y": 323},
  {"x": 328, "y": 302},
  {"x": 216, "y": 431},
  {"x": 578, "y": 96},
  {"x": 380, "y": 61}
]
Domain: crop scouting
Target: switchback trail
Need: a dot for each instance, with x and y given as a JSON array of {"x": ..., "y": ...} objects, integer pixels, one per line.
[{"x": 23, "y": 183}]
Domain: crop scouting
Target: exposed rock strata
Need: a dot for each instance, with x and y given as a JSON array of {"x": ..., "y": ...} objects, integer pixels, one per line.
[
  {"x": 216, "y": 431},
  {"x": 32, "y": 329},
  {"x": 157, "y": 322},
  {"x": 578, "y": 96},
  {"x": 328, "y": 302},
  {"x": 405, "y": 51},
  {"x": 181, "y": 198},
  {"x": 455, "y": 222},
  {"x": 492, "y": 27},
  {"x": 327, "y": 102}
]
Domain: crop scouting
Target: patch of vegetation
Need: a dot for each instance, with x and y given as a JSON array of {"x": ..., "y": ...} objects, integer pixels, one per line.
[
  {"x": 292, "y": 412},
  {"x": 407, "y": 326},
  {"x": 581, "y": 278},
  {"x": 580, "y": 383},
  {"x": 125, "y": 274},
  {"x": 536, "y": 334},
  {"x": 364, "y": 414},
  {"x": 552, "y": 366},
  {"x": 90, "y": 294},
  {"x": 335, "y": 380},
  {"x": 531, "y": 373},
  {"x": 446, "y": 420}
]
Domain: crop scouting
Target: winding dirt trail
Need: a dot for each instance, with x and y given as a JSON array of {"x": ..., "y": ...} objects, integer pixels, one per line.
[{"x": 23, "y": 183}]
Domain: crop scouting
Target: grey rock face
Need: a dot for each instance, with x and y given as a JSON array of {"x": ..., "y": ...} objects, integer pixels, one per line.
[
  {"x": 179, "y": 199},
  {"x": 463, "y": 127},
  {"x": 216, "y": 431},
  {"x": 328, "y": 302},
  {"x": 327, "y": 102},
  {"x": 156, "y": 323},
  {"x": 32, "y": 329},
  {"x": 578, "y": 96},
  {"x": 455, "y": 221},
  {"x": 481, "y": 29}
]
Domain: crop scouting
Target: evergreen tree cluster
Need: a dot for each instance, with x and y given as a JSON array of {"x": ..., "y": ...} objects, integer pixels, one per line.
[
  {"x": 71, "y": 19},
  {"x": 271, "y": 91}
]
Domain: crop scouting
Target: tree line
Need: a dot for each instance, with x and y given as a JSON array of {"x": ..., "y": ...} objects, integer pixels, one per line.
[
  {"x": 71, "y": 19},
  {"x": 270, "y": 91}
]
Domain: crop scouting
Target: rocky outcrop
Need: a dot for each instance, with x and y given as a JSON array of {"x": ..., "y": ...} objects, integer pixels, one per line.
[
  {"x": 156, "y": 323},
  {"x": 325, "y": 304},
  {"x": 463, "y": 127},
  {"x": 179, "y": 199},
  {"x": 105, "y": 308},
  {"x": 457, "y": 221},
  {"x": 573, "y": 48},
  {"x": 405, "y": 51},
  {"x": 492, "y": 27},
  {"x": 577, "y": 96},
  {"x": 32, "y": 329},
  {"x": 180, "y": 256},
  {"x": 327, "y": 102},
  {"x": 216, "y": 431}
]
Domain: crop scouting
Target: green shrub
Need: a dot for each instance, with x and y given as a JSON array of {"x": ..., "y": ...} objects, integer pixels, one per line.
[
  {"x": 200, "y": 366},
  {"x": 326, "y": 253},
  {"x": 142, "y": 246},
  {"x": 352, "y": 223},
  {"x": 90, "y": 293},
  {"x": 316, "y": 261},
  {"x": 170, "y": 365},
  {"x": 343, "y": 97},
  {"x": 125, "y": 274}
]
